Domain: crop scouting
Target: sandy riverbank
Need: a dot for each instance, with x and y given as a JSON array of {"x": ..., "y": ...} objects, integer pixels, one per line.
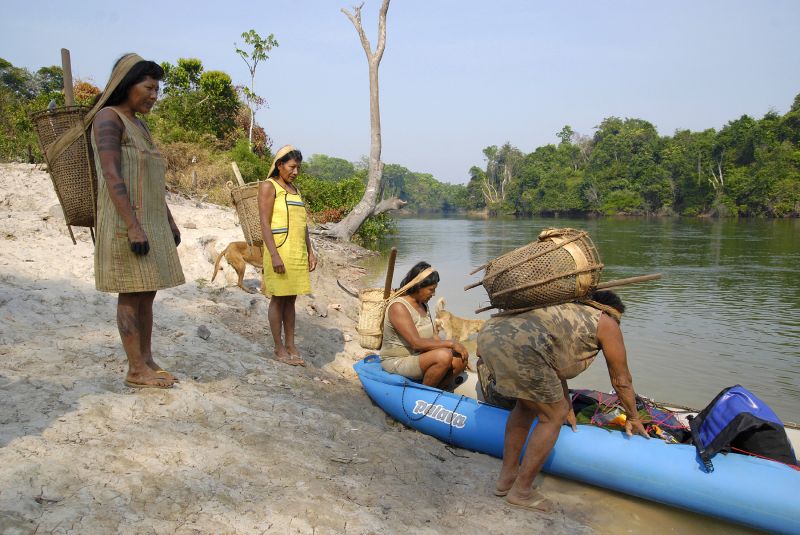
[{"x": 244, "y": 444}]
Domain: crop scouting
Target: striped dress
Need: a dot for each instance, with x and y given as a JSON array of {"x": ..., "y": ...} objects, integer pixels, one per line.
[
  {"x": 289, "y": 232},
  {"x": 116, "y": 268}
]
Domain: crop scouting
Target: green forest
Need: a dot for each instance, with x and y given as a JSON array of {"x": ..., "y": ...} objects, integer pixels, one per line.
[{"x": 748, "y": 168}]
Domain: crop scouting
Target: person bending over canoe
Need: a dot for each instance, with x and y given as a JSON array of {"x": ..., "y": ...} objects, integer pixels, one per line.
[
  {"x": 410, "y": 346},
  {"x": 531, "y": 356}
]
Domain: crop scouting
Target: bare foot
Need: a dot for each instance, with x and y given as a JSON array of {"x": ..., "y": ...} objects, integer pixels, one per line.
[
  {"x": 534, "y": 501},
  {"x": 286, "y": 358},
  {"x": 291, "y": 361},
  {"x": 293, "y": 351}
]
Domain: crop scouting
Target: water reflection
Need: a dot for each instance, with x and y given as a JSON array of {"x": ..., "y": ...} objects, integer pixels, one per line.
[{"x": 727, "y": 310}]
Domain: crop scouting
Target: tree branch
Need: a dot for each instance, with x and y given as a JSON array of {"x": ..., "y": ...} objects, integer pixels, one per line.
[
  {"x": 381, "y": 31},
  {"x": 356, "y": 20},
  {"x": 387, "y": 205}
]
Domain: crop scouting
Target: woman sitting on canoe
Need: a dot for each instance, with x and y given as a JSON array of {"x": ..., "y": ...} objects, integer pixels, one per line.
[{"x": 411, "y": 347}]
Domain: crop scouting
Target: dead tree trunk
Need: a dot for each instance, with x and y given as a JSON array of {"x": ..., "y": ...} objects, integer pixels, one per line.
[{"x": 368, "y": 205}]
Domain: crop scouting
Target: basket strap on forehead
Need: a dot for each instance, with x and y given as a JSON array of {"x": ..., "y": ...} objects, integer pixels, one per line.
[{"x": 413, "y": 282}]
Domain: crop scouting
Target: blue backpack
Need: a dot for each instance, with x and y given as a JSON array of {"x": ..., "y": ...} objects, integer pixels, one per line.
[{"x": 737, "y": 419}]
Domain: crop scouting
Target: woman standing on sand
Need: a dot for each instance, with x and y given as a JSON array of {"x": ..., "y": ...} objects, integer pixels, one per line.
[
  {"x": 137, "y": 238},
  {"x": 288, "y": 255}
]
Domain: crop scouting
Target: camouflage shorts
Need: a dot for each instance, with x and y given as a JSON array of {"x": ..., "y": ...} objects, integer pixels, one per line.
[{"x": 535, "y": 381}]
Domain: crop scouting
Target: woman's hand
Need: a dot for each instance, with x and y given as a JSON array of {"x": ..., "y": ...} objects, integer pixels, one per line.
[
  {"x": 176, "y": 234},
  {"x": 277, "y": 263},
  {"x": 634, "y": 425},
  {"x": 460, "y": 350},
  {"x": 571, "y": 420},
  {"x": 312, "y": 260},
  {"x": 137, "y": 239}
]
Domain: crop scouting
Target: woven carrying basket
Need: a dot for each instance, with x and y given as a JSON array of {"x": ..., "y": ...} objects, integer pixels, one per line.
[
  {"x": 73, "y": 173},
  {"x": 370, "y": 318},
  {"x": 563, "y": 265},
  {"x": 373, "y": 310},
  {"x": 245, "y": 199}
]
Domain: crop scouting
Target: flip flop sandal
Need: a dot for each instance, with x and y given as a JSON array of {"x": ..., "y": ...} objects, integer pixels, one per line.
[
  {"x": 535, "y": 503},
  {"x": 171, "y": 377},
  {"x": 132, "y": 384}
]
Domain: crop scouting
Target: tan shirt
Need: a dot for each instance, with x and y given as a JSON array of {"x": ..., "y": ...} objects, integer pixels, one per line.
[
  {"x": 394, "y": 345},
  {"x": 531, "y": 352}
]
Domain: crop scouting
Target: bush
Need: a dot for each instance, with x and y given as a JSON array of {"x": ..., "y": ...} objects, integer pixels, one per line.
[
  {"x": 252, "y": 166},
  {"x": 195, "y": 169},
  {"x": 321, "y": 195},
  {"x": 330, "y": 202},
  {"x": 691, "y": 211},
  {"x": 375, "y": 228},
  {"x": 621, "y": 202}
]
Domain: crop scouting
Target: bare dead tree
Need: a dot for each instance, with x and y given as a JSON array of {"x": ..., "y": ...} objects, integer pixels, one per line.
[
  {"x": 501, "y": 167},
  {"x": 368, "y": 205},
  {"x": 717, "y": 178}
]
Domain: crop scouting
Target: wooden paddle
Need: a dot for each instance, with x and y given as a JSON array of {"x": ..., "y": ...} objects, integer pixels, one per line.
[{"x": 387, "y": 289}]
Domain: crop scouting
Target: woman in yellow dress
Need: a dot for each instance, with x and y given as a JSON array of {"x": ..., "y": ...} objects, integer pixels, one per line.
[{"x": 288, "y": 255}]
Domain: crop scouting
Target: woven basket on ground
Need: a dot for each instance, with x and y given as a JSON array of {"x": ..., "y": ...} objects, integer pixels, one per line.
[
  {"x": 245, "y": 199},
  {"x": 73, "y": 173},
  {"x": 563, "y": 265}
]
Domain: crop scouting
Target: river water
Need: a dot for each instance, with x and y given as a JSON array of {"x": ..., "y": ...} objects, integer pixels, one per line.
[{"x": 725, "y": 312}]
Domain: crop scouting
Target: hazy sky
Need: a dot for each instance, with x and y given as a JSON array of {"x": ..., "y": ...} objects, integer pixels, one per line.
[{"x": 457, "y": 75}]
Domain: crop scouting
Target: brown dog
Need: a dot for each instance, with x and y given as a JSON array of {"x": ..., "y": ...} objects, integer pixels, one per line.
[
  {"x": 239, "y": 254},
  {"x": 456, "y": 328}
]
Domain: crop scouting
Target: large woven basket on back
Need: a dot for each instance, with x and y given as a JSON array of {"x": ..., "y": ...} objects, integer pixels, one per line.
[
  {"x": 73, "y": 173},
  {"x": 245, "y": 199},
  {"x": 563, "y": 265}
]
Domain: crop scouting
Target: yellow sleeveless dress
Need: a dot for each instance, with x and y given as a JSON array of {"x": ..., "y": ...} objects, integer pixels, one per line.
[
  {"x": 289, "y": 232},
  {"x": 116, "y": 268}
]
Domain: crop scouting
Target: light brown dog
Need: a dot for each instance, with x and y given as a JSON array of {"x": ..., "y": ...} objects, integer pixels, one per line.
[
  {"x": 239, "y": 254},
  {"x": 456, "y": 328}
]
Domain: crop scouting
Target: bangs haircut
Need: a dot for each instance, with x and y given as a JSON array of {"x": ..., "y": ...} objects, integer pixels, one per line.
[
  {"x": 295, "y": 155},
  {"x": 430, "y": 280},
  {"x": 138, "y": 72}
]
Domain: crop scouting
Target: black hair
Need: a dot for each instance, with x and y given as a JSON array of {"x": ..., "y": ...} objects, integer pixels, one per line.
[
  {"x": 138, "y": 72},
  {"x": 609, "y": 298},
  {"x": 295, "y": 155},
  {"x": 430, "y": 280}
]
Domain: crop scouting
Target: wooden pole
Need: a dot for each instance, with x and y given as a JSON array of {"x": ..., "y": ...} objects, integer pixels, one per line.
[
  {"x": 630, "y": 280},
  {"x": 66, "y": 66},
  {"x": 387, "y": 287},
  {"x": 237, "y": 173}
]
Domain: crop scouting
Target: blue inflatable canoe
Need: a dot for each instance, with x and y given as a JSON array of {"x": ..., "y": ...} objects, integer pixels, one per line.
[{"x": 747, "y": 490}]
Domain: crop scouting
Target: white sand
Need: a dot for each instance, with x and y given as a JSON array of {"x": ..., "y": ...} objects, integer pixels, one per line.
[{"x": 243, "y": 444}]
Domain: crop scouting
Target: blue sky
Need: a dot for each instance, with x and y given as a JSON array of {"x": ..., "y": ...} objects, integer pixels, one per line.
[{"x": 457, "y": 76}]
